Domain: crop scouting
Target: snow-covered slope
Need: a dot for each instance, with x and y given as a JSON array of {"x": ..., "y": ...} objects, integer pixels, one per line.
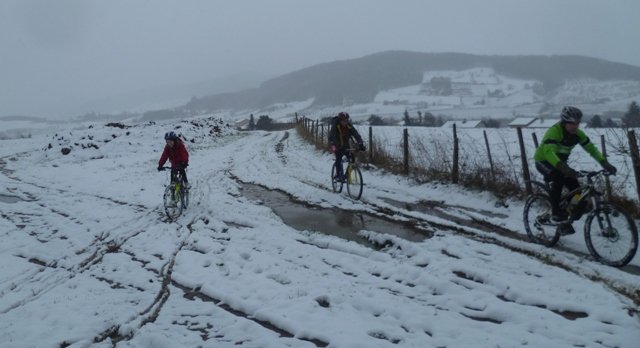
[{"x": 88, "y": 259}]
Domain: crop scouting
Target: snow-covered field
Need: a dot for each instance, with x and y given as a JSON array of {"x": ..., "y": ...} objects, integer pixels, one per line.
[
  {"x": 483, "y": 93},
  {"x": 89, "y": 260}
]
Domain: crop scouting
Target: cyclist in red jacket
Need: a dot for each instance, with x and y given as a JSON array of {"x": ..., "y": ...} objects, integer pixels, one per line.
[{"x": 177, "y": 154}]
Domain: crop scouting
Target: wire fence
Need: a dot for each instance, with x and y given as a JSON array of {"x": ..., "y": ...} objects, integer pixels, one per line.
[{"x": 497, "y": 159}]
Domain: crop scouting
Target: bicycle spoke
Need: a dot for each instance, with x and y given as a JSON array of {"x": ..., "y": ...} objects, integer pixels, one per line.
[
  {"x": 537, "y": 220},
  {"x": 336, "y": 181},
  {"x": 172, "y": 202},
  {"x": 611, "y": 236},
  {"x": 354, "y": 182}
]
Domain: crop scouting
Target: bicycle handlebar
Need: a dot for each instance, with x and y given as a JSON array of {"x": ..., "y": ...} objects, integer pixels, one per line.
[{"x": 591, "y": 174}]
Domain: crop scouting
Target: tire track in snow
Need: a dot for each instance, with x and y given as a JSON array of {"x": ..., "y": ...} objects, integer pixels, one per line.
[{"x": 472, "y": 227}]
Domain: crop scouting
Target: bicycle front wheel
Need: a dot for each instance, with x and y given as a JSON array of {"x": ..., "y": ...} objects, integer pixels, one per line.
[
  {"x": 172, "y": 203},
  {"x": 336, "y": 181},
  {"x": 184, "y": 194},
  {"x": 537, "y": 220},
  {"x": 354, "y": 182},
  {"x": 611, "y": 236}
]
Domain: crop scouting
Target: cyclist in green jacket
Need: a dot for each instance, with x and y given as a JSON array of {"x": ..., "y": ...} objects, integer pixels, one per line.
[{"x": 552, "y": 155}]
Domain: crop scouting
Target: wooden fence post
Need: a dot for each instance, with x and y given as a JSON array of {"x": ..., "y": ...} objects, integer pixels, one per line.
[
  {"x": 322, "y": 135},
  {"x": 486, "y": 141},
  {"x": 525, "y": 164},
  {"x": 405, "y": 137},
  {"x": 606, "y": 178},
  {"x": 455, "y": 172},
  {"x": 370, "y": 144},
  {"x": 535, "y": 139},
  {"x": 316, "y": 132},
  {"x": 635, "y": 158}
]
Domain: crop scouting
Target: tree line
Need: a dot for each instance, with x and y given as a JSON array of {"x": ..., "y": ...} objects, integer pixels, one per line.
[{"x": 630, "y": 119}]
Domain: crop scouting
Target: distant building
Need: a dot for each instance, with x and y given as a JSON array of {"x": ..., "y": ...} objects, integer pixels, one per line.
[
  {"x": 464, "y": 124},
  {"x": 544, "y": 123},
  {"x": 522, "y": 122},
  {"x": 618, "y": 122},
  {"x": 242, "y": 124}
]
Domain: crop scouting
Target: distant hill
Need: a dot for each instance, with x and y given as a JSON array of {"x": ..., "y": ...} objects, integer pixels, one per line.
[
  {"x": 359, "y": 80},
  {"x": 22, "y": 118}
]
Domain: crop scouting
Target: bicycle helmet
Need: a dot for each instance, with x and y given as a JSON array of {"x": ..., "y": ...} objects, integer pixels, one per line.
[
  {"x": 170, "y": 136},
  {"x": 343, "y": 116},
  {"x": 571, "y": 114}
]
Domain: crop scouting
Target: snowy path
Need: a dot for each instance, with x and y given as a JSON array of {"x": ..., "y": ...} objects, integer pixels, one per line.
[{"x": 88, "y": 258}]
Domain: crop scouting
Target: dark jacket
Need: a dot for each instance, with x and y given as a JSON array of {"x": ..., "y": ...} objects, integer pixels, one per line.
[
  {"x": 177, "y": 155},
  {"x": 339, "y": 135}
]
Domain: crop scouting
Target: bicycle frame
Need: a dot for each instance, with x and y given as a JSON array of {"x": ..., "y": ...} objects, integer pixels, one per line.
[
  {"x": 174, "y": 176},
  {"x": 176, "y": 194},
  {"x": 587, "y": 191},
  {"x": 350, "y": 159},
  {"x": 605, "y": 225},
  {"x": 349, "y": 175}
]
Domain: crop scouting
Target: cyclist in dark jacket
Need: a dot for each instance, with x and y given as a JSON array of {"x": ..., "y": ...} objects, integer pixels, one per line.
[
  {"x": 552, "y": 155},
  {"x": 341, "y": 131},
  {"x": 177, "y": 154}
]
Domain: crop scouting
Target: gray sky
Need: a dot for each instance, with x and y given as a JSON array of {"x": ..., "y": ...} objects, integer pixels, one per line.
[{"x": 57, "y": 55}]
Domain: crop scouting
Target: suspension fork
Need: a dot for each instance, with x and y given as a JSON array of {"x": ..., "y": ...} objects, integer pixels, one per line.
[{"x": 603, "y": 217}]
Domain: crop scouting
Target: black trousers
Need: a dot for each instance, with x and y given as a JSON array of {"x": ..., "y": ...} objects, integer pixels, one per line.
[
  {"x": 182, "y": 172},
  {"x": 339, "y": 153},
  {"x": 558, "y": 181}
]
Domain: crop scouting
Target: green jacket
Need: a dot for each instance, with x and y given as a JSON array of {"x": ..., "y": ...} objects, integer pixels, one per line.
[{"x": 557, "y": 145}]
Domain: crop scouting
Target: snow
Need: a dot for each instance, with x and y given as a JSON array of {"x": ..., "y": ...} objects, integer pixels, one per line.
[
  {"x": 462, "y": 124},
  {"x": 88, "y": 259},
  {"x": 470, "y": 98},
  {"x": 522, "y": 121}
]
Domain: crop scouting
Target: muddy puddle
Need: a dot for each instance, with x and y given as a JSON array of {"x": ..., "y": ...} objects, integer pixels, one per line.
[
  {"x": 9, "y": 199},
  {"x": 336, "y": 222}
]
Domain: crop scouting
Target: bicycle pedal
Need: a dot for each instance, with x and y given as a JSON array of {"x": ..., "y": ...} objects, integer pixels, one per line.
[{"x": 566, "y": 230}]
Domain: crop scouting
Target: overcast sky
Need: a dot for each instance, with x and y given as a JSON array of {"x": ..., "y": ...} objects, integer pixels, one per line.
[{"x": 56, "y": 55}]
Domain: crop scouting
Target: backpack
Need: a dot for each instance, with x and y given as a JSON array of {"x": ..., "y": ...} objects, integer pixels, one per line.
[{"x": 334, "y": 121}]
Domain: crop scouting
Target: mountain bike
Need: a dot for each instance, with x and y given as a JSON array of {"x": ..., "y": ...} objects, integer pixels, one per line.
[
  {"x": 176, "y": 194},
  {"x": 610, "y": 234},
  {"x": 352, "y": 175}
]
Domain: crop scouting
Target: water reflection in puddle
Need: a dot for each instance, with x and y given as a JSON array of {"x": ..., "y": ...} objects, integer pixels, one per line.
[{"x": 336, "y": 222}]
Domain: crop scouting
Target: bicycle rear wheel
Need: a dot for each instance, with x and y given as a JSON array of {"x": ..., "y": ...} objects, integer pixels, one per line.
[
  {"x": 172, "y": 202},
  {"x": 611, "y": 236},
  {"x": 537, "y": 220},
  {"x": 354, "y": 182},
  {"x": 336, "y": 182}
]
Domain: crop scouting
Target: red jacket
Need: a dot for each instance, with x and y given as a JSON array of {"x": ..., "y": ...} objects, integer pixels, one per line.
[{"x": 177, "y": 154}]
